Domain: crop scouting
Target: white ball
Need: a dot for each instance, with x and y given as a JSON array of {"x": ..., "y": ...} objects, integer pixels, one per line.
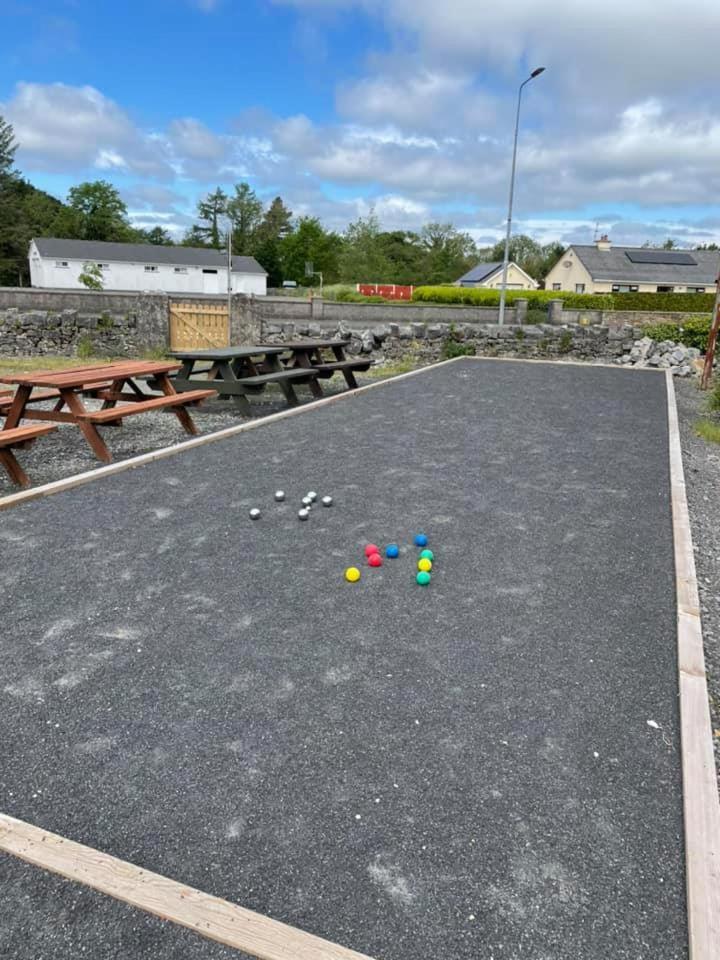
[
  {"x": 312, "y": 496},
  {"x": 303, "y": 514},
  {"x": 327, "y": 501},
  {"x": 279, "y": 495},
  {"x": 254, "y": 513},
  {"x": 307, "y": 502}
]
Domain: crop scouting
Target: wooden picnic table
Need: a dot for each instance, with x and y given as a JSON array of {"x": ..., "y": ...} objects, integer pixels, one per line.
[
  {"x": 308, "y": 355},
  {"x": 111, "y": 382},
  {"x": 241, "y": 372}
]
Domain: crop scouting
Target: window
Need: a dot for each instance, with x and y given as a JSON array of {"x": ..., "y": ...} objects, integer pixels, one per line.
[
  {"x": 696, "y": 289},
  {"x": 557, "y": 286},
  {"x": 103, "y": 266},
  {"x": 180, "y": 269},
  {"x": 665, "y": 289},
  {"x": 206, "y": 270},
  {"x": 150, "y": 269},
  {"x": 623, "y": 288},
  {"x": 61, "y": 263},
  {"x": 579, "y": 288}
]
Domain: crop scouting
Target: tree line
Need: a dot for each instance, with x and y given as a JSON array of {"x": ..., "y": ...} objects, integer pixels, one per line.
[{"x": 280, "y": 242}]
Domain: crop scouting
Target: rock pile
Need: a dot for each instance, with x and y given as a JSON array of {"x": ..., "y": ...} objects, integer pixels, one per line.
[{"x": 665, "y": 354}]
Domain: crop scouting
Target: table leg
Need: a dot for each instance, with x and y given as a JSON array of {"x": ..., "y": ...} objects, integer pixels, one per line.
[
  {"x": 92, "y": 435},
  {"x": 16, "y": 411},
  {"x": 315, "y": 389},
  {"x": 167, "y": 387},
  {"x": 14, "y": 470}
]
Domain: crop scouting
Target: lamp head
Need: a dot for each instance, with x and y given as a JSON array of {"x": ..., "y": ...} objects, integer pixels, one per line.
[{"x": 537, "y": 72}]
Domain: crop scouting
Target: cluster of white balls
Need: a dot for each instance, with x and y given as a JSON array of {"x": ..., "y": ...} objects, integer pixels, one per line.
[{"x": 308, "y": 501}]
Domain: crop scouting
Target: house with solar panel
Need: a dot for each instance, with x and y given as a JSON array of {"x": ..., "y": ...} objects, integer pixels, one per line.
[
  {"x": 601, "y": 267},
  {"x": 490, "y": 275}
]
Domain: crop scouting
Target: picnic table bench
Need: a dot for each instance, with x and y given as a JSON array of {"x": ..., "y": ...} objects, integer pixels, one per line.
[
  {"x": 308, "y": 355},
  {"x": 19, "y": 437},
  {"x": 113, "y": 382},
  {"x": 241, "y": 372}
]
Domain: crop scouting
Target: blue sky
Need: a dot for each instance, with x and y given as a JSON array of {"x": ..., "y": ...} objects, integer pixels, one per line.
[{"x": 401, "y": 105}]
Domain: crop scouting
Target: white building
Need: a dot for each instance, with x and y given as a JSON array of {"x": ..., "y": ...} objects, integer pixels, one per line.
[
  {"x": 57, "y": 264},
  {"x": 490, "y": 275}
]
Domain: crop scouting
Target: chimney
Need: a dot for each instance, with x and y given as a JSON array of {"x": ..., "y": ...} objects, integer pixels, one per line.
[{"x": 603, "y": 243}]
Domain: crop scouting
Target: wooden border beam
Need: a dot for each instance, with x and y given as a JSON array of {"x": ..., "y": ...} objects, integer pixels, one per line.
[
  {"x": 700, "y": 790},
  {"x": 209, "y": 916}
]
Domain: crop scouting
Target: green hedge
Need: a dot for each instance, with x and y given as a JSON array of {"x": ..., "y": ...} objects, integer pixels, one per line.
[
  {"x": 672, "y": 302},
  {"x": 651, "y": 302},
  {"x": 485, "y": 297},
  {"x": 692, "y": 332}
]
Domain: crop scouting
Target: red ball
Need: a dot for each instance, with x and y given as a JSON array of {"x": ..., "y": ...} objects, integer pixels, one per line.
[
  {"x": 370, "y": 549},
  {"x": 375, "y": 560}
]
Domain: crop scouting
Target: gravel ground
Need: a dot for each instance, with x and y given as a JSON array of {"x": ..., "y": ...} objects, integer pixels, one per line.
[
  {"x": 66, "y": 452},
  {"x": 702, "y": 479}
]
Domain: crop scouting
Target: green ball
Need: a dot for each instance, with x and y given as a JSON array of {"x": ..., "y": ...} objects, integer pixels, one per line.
[
  {"x": 426, "y": 555},
  {"x": 423, "y": 578}
]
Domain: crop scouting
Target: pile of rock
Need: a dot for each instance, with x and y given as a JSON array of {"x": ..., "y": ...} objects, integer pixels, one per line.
[{"x": 665, "y": 354}]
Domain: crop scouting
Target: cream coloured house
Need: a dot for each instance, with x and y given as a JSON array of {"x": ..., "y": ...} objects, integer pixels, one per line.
[
  {"x": 603, "y": 268},
  {"x": 490, "y": 275}
]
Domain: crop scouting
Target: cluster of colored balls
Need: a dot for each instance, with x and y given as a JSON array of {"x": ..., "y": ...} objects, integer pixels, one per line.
[{"x": 392, "y": 551}]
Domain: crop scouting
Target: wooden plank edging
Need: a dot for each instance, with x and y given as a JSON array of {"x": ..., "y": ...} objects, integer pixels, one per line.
[
  {"x": 700, "y": 790},
  {"x": 207, "y": 915}
]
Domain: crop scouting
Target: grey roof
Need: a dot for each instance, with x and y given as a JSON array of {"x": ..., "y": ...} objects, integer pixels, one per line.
[
  {"x": 142, "y": 253},
  {"x": 479, "y": 273},
  {"x": 616, "y": 266}
]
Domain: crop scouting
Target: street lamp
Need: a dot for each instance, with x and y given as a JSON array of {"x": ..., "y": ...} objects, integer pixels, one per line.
[{"x": 506, "y": 257}]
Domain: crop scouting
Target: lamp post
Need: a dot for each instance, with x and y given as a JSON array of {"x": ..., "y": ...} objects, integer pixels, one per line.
[{"x": 506, "y": 257}]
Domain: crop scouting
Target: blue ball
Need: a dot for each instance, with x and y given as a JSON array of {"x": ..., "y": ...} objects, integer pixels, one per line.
[
  {"x": 392, "y": 550},
  {"x": 421, "y": 540}
]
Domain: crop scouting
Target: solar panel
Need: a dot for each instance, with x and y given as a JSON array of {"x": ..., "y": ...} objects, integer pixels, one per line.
[{"x": 661, "y": 256}]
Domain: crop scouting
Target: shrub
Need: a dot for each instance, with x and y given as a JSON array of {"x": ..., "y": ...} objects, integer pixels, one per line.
[
  {"x": 486, "y": 297},
  {"x": 565, "y": 343},
  {"x": 708, "y": 430},
  {"x": 671, "y": 302},
  {"x": 520, "y": 334},
  {"x": 536, "y": 315},
  {"x": 714, "y": 398},
  {"x": 84, "y": 348},
  {"x": 453, "y": 346},
  {"x": 692, "y": 332}
]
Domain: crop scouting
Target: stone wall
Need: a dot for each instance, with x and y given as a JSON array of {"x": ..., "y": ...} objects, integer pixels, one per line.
[
  {"x": 63, "y": 323},
  {"x": 425, "y": 343}
]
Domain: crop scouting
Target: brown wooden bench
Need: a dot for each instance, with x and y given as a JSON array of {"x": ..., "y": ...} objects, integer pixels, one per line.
[
  {"x": 7, "y": 396},
  {"x": 174, "y": 400},
  {"x": 13, "y": 439}
]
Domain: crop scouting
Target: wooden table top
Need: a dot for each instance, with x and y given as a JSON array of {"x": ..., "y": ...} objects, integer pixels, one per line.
[
  {"x": 227, "y": 353},
  {"x": 80, "y": 376}
]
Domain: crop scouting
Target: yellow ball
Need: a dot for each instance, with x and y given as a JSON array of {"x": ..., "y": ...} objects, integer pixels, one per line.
[
  {"x": 352, "y": 574},
  {"x": 425, "y": 565}
]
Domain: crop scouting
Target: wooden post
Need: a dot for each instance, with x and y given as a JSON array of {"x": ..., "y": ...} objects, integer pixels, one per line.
[{"x": 712, "y": 340}]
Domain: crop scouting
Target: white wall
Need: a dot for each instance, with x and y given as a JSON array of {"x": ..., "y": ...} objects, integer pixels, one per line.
[{"x": 45, "y": 272}]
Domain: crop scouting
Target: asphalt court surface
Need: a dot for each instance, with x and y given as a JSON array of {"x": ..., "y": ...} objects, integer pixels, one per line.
[{"x": 459, "y": 771}]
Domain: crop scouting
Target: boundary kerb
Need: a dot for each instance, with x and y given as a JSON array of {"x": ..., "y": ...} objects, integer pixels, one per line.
[
  {"x": 700, "y": 791},
  {"x": 210, "y": 916}
]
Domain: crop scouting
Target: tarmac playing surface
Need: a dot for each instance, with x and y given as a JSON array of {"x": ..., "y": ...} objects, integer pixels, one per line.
[{"x": 464, "y": 771}]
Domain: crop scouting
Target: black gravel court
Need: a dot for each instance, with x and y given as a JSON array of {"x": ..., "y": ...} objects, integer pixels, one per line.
[{"x": 463, "y": 772}]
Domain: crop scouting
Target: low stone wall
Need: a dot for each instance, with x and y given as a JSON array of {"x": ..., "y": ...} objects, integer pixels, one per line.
[
  {"x": 426, "y": 343},
  {"x": 40, "y": 322}
]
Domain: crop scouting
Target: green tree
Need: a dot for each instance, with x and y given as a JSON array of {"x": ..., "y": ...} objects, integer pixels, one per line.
[
  {"x": 404, "y": 252},
  {"x": 362, "y": 258},
  {"x": 91, "y": 276},
  {"x": 99, "y": 213},
  {"x": 8, "y": 146},
  {"x": 528, "y": 254},
  {"x": 310, "y": 241},
  {"x": 448, "y": 253},
  {"x": 156, "y": 235},
  {"x": 25, "y": 212},
  {"x": 275, "y": 226},
  {"x": 210, "y": 210},
  {"x": 245, "y": 211}
]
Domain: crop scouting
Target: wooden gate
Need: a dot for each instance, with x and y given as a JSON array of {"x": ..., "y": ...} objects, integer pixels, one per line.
[{"x": 198, "y": 325}]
